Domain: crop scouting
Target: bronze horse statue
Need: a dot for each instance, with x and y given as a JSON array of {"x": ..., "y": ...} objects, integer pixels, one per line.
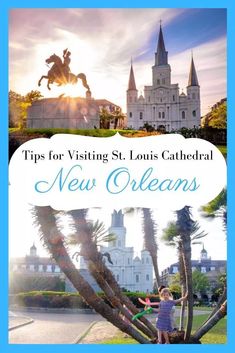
[{"x": 60, "y": 74}]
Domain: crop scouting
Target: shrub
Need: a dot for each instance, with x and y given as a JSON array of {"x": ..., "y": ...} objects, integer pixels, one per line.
[{"x": 50, "y": 299}]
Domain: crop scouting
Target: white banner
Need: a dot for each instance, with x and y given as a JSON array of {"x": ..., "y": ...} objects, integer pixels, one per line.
[{"x": 70, "y": 172}]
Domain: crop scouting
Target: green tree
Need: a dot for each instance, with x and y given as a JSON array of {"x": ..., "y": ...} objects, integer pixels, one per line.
[
  {"x": 117, "y": 116},
  {"x": 200, "y": 282},
  {"x": 105, "y": 118},
  {"x": 18, "y": 106},
  {"x": 217, "y": 207},
  {"x": 218, "y": 117}
]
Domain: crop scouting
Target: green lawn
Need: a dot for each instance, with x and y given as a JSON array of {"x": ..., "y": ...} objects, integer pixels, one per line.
[
  {"x": 86, "y": 132},
  {"x": 203, "y": 308},
  {"x": 216, "y": 336}
]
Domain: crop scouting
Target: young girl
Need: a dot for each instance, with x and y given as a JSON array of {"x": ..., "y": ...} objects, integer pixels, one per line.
[{"x": 164, "y": 324}]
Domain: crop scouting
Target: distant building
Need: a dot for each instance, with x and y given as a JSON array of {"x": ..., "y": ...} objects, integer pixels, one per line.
[
  {"x": 33, "y": 264},
  {"x": 211, "y": 268},
  {"x": 131, "y": 273},
  {"x": 68, "y": 113},
  {"x": 162, "y": 106}
]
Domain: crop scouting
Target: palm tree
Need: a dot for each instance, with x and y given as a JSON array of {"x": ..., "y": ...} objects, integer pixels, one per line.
[
  {"x": 184, "y": 224},
  {"x": 105, "y": 118},
  {"x": 150, "y": 243},
  {"x": 87, "y": 238},
  {"x": 172, "y": 238},
  {"x": 217, "y": 207},
  {"x": 174, "y": 235},
  {"x": 45, "y": 219}
]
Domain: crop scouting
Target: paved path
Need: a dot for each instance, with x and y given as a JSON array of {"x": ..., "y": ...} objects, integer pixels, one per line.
[
  {"x": 62, "y": 328},
  {"x": 52, "y": 328}
]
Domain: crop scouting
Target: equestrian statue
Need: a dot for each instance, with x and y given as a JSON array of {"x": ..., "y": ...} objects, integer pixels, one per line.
[{"x": 60, "y": 72}]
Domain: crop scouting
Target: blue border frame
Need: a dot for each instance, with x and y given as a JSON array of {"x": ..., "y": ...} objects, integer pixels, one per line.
[{"x": 4, "y": 8}]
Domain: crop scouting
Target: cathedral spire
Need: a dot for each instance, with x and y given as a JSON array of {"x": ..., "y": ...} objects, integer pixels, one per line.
[
  {"x": 192, "y": 80},
  {"x": 161, "y": 56},
  {"x": 117, "y": 219},
  {"x": 131, "y": 83}
]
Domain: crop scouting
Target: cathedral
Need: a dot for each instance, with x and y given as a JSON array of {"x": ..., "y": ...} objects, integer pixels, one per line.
[
  {"x": 162, "y": 106},
  {"x": 133, "y": 273}
]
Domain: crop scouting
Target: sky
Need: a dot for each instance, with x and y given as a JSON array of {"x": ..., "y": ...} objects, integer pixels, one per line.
[{"x": 103, "y": 41}]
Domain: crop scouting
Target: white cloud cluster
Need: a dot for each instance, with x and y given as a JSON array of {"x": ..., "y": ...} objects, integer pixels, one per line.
[{"x": 102, "y": 43}]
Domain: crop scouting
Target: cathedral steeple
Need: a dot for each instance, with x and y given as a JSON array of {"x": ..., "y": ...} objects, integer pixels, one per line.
[
  {"x": 131, "y": 83},
  {"x": 192, "y": 80},
  {"x": 117, "y": 219},
  {"x": 161, "y": 56},
  {"x": 33, "y": 250}
]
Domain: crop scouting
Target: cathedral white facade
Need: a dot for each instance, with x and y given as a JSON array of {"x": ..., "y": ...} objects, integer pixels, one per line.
[
  {"x": 133, "y": 273},
  {"x": 162, "y": 106}
]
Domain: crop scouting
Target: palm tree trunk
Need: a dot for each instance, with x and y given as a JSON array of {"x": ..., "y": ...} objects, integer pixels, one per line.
[
  {"x": 115, "y": 301},
  {"x": 108, "y": 275},
  {"x": 218, "y": 315},
  {"x": 186, "y": 247},
  {"x": 183, "y": 286},
  {"x": 53, "y": 240},
  {"x": 150, "y": 241}
]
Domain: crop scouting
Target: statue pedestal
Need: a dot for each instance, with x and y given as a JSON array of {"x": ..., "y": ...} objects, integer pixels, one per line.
[{"x": 63, "y": 113}]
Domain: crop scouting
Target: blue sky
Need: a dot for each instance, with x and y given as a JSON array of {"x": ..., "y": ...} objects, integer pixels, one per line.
[
  {"x": 102, "y": 42},
  {"x": 191, "y": 28}
]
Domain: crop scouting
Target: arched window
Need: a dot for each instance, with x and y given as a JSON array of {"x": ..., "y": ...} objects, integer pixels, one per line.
[
  {"x": 147, "y": 260},
  {"x": 159, "y": 115},
  {"x": 117, "y": 278},
  {"x": 147, "y": 277},
  {"x": 163, "y": 115},
  {"x": 141, "y": 115},
  {"x": 183, "y": 114},
  {"x": 194, "y": 112},
  {"x": 130, "y": 114},
  {"x": 193, "y": 95},
  {"x": 158, "y": 82},
  {"x": 137, "y": 279}
]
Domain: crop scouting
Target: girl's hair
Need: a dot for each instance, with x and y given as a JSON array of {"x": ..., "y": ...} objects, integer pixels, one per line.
[
  {"x": 160, "y": 289},
  {"x": 166, "y": 290}
]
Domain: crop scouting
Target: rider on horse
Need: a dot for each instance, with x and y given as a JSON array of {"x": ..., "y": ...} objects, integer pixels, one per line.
[
  {"x": 60, "y": 72},
  {"x": 67, "y": 60}
]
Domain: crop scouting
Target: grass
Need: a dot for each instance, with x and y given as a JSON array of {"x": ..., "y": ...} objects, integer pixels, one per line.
[
  {"x": 85, "y": 132},
  {"x": 215, "y": 336},
  {"x": 203, "y": 308}
]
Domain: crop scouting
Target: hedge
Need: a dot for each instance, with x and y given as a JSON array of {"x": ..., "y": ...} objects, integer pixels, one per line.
[{"x": 50, "y": 299}]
